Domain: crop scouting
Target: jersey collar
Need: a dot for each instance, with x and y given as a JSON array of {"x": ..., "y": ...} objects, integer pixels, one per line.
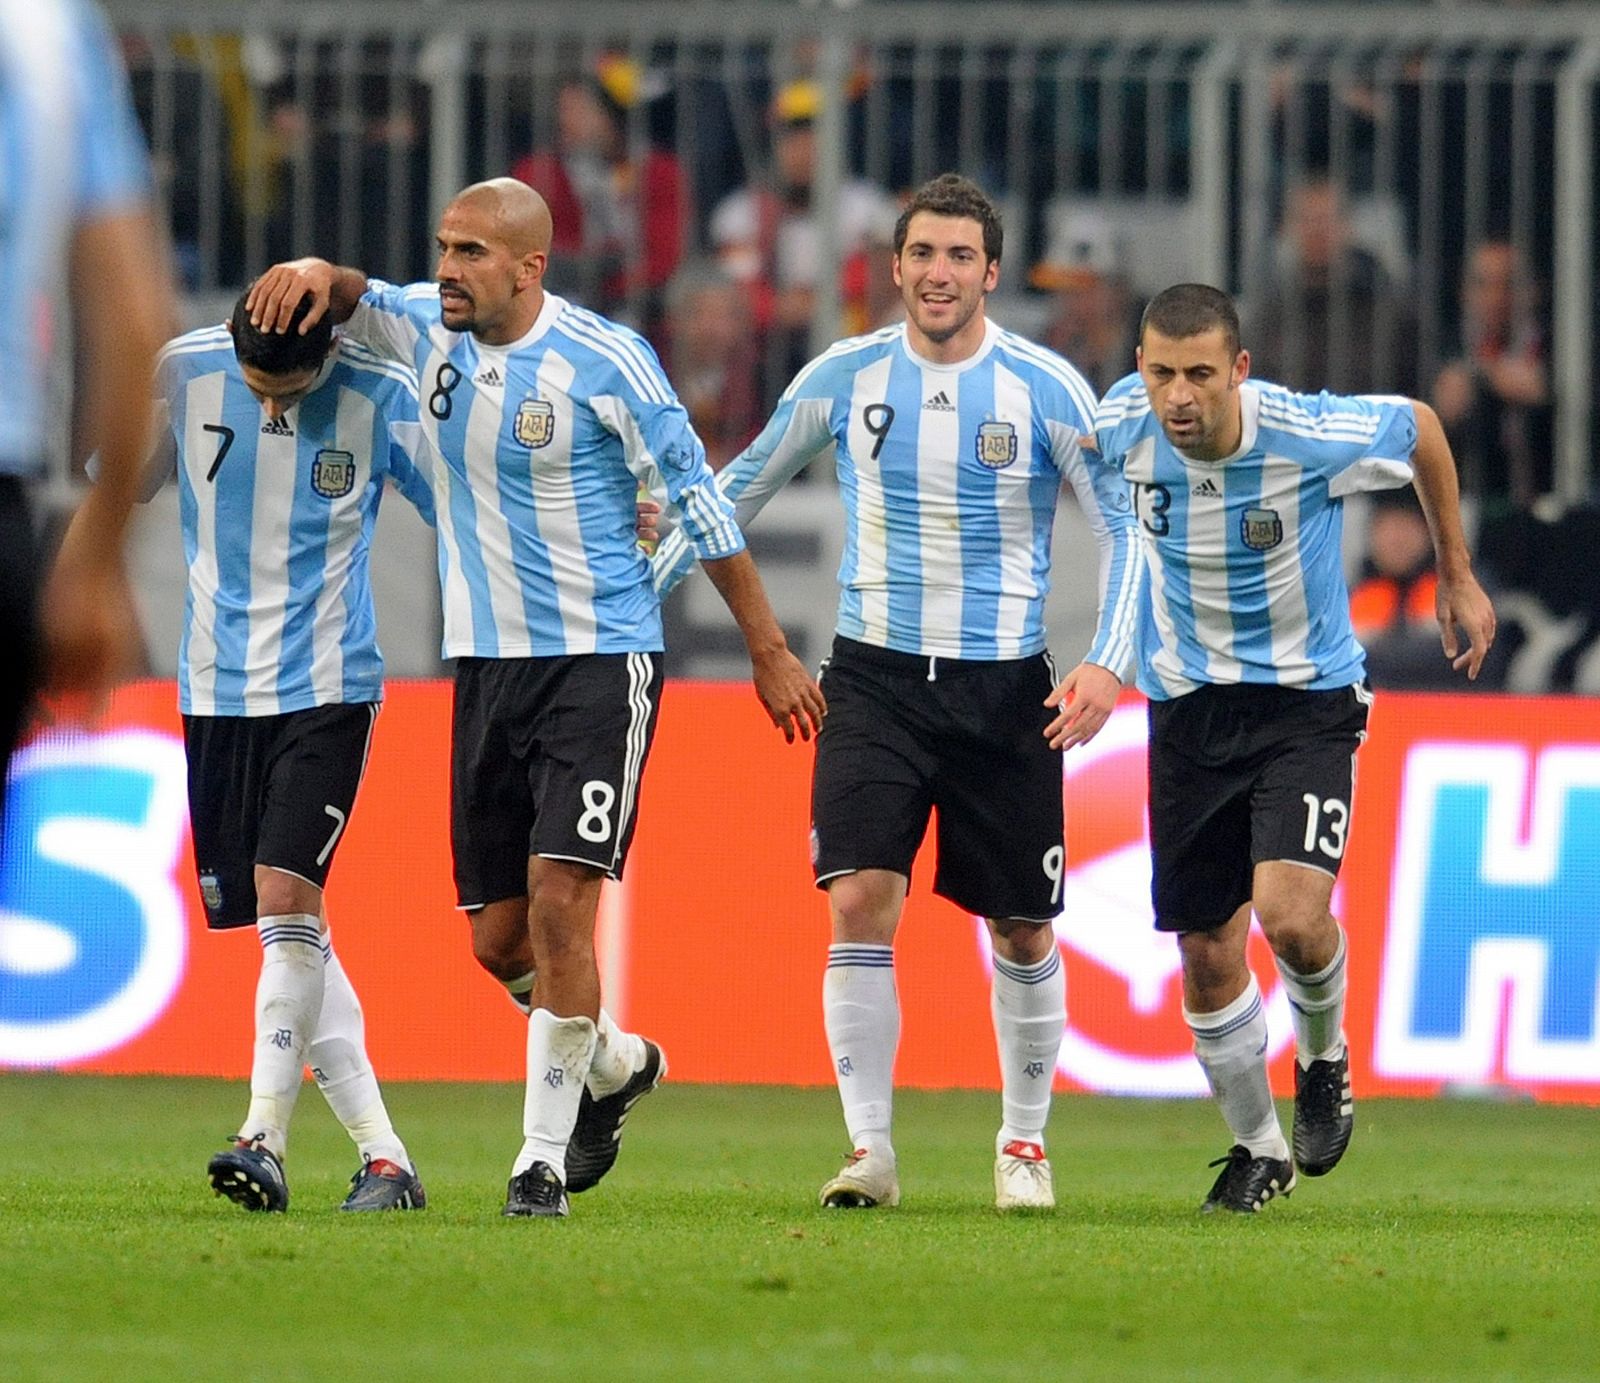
[
  {"x": 553, "y": 307},
  {"x": 1250, "y": 425},
  {"x": 991, "y": 334}
]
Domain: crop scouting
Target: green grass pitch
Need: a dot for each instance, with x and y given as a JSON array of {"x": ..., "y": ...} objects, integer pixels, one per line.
[{"x": 1458, "y": 1241}]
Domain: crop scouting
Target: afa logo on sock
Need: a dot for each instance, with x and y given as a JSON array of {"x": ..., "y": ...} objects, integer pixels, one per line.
[
  {"x": 1125, "y": 1030},
  {"x": 92, "y": 928}
]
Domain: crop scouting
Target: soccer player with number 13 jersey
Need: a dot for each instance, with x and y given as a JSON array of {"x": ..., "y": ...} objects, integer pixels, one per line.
[{"x": 1258, "y": 697}]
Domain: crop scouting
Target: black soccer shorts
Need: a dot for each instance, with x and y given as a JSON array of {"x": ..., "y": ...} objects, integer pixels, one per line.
[
  {"x": 271, "y": 790},
  {"x": 546, "y": 757},
  {"x": 907, "y": 736},
  {"x": 1240, "y": 775},
  {"x": 19, "y": 619}
]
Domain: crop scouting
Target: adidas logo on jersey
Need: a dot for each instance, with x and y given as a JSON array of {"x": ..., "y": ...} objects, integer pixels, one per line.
[
  {"x": 940, "y": 403},
  {"x": 490, "y": 377},
  {"x": 1208, "y": 487},
  {"x": 277, "y": 427}
]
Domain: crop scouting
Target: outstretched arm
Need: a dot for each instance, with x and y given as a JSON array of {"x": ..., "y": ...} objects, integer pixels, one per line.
[
  {"x": 277, "y": 293},
  {"x": 1461, "y": 602},
  {"x": 792, "y": 699}
]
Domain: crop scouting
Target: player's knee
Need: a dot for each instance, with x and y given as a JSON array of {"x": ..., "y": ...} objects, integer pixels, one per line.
[
  {"x": 562, "y": 893},
  {"x": 498, "y": 957},
  {"x": 865, "y": 907},
  {"x": 1294, "y": 922},
  {"x": 1022, "y": 942},
  {"x": 279, "y": 894},
  {"x": 500, "y": 939},
  {"x": 1211, "y": 961}
]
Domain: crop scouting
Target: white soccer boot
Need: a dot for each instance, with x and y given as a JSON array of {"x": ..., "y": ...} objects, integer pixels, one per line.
[
  {"x": 866, "y": 1180},
  {"x": 1022, "y": 1179}
]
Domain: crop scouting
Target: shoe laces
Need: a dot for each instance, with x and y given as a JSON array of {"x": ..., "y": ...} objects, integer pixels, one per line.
[
  {"x": 1244, "y": 1177},
  {"x": 256, "y": 1143},
  {"x": 383, "y": 1167},
  {"x": 540, "y": 1185},
  {"x": 1322, "y": 1083},
  {"x": 1235, "y": 1155}
]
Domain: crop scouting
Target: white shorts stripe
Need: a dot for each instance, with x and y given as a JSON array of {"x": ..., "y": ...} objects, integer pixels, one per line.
[{"x": 639, "y": 673}]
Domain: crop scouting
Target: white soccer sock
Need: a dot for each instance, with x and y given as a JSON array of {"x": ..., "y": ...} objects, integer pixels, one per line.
[
  {"x": 1231, "y": 1046},
  {"x": 861, "y": 1012},
  {"x": 617, "y": 1055},
  {"x": 1029, "y": 1004},
  {"x": 521, "y": 990},
  {"x": 559, "y": 1053},
  {"x": 343, "y": 1071},
  {"x": 1317, "y": 1003},
  {"x": 288, "y": 1006}
]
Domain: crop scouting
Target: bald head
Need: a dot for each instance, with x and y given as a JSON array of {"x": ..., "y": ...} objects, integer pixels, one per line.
[
  {"x": 494, "y": 243},
  {"x": 519, "y": 214}
]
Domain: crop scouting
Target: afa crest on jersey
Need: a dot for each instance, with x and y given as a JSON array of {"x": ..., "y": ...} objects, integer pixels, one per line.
[
  {"x": 997, "y": 445},
  {"x": 1261, "y": 529},
  {"x": 333, "y": 473},
  {"x": 535, "y": 423}
]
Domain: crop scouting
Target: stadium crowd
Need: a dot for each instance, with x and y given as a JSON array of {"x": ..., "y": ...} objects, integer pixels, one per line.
[{"x": 688, "y": 211}]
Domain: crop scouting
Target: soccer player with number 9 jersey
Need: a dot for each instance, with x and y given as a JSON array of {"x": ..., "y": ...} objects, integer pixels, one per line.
[{"x": 953, "y": 439}]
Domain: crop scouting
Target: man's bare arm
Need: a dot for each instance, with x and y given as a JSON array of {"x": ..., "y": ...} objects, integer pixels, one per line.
[
  {"x": 122, "y": 313},
  {"x": 1461, "y": 600},
  {"x": 792, "y": 699},
  {"x": 334, "y": 289}
]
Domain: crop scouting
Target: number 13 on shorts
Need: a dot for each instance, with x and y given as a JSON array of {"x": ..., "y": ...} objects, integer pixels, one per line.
[{"x": 1327, "y": 819}]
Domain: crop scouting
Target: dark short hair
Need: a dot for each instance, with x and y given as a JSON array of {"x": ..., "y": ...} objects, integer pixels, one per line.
[
  {"x": 950, "y": 194},
  {"x": 285, "y": 352},
  {"x": 1187, "y": 309}
]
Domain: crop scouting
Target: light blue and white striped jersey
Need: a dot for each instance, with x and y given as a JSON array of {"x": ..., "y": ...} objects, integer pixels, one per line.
[
  {"x": 1246, "y": 576},
  {"x": 538, "y": 449},
  {"x": 277, "y": 523},
  {"x": 70, "y": 152},
  {"x": 949, "y": 476}
]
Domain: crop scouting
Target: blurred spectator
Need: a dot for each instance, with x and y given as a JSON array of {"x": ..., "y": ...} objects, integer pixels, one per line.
[
  {"x": 1330, "y": 317},
  {"x": 1094, "y": 314},
  {"x": 767, "y": 236},
  {"x": 1392, "y": 604},
  {"x": 618, "y": 202},
  {"x": 712, "y": 358},
  {"x": 1549, "y": 608},
  {"x": 1494, "y": 395}
]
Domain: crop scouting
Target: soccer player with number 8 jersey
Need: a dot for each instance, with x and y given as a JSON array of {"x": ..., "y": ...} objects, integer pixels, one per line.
[{"x": 538, "y": 423}]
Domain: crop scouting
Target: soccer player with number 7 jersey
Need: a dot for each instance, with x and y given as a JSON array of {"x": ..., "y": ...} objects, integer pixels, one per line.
[
  {"x": 1258, "y": 698},
  {"x": 538, "y": 423},
  {"x": 953, "y": 439},
  {"x": 282, "y": 448}
]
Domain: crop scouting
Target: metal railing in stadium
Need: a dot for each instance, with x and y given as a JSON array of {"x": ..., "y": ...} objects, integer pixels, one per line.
[{"x": 1157, "y": 140}]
